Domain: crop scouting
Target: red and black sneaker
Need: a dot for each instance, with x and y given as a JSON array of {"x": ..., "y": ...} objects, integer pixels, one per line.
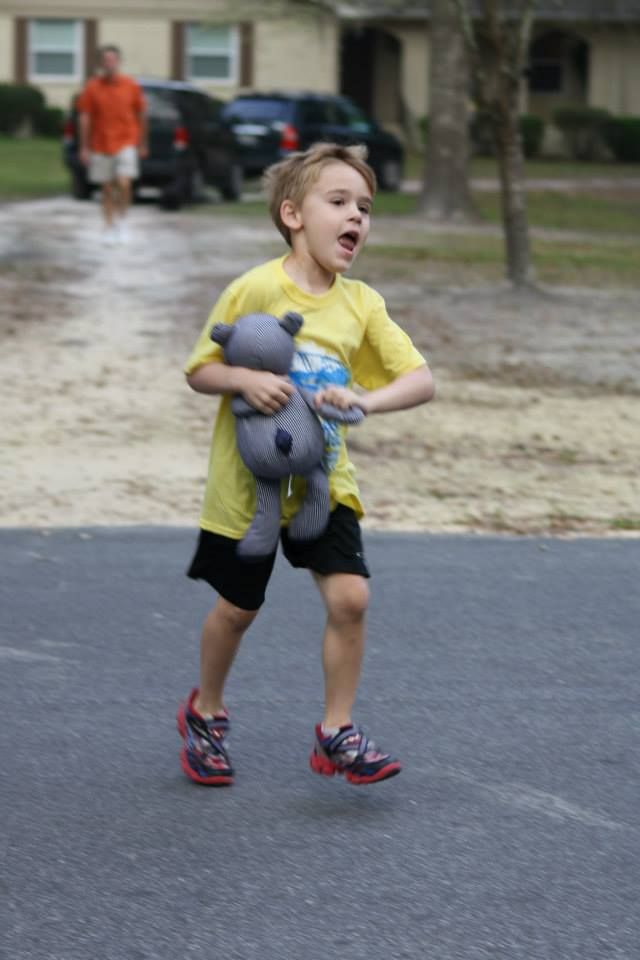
[
  {"x": 204, "y": 756},
  {"x": 350, "y": 752}
]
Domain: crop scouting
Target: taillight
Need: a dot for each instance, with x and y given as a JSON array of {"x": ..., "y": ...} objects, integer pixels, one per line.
[
  {"x": 289, "y": 138},
  {"x": 68, "y": 131},
  {"x": 180, "y": 138}
]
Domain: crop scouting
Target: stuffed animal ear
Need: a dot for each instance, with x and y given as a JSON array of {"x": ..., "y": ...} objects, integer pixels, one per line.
[
  {"x": 221, "y": 332},
  {"x": 291, "y": 322}
]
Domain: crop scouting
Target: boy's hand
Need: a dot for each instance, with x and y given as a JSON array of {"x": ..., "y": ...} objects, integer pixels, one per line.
[
  {"x": 266, "y": 392},
  {"x": 340, "y": 397}
]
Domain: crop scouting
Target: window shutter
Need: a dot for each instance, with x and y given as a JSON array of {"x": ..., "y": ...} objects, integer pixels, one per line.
[
  {"x": 20, "y": 50},
  {"x": 245, "y": 77},
  {"x": 177, "y": 50},
  {"x": 90, "y": 47}
]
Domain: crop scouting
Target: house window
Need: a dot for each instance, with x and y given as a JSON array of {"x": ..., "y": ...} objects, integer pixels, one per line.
[
  {"x": 55, "y": 49},
  {"x": 211, "y": 53}
]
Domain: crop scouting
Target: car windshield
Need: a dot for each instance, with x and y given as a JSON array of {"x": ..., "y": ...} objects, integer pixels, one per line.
[{"x": 258, "y": 110}]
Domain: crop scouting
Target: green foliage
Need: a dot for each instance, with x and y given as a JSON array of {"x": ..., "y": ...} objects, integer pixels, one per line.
[
  {"x": 583, "y": 130},
  {"x": 49, "y": 122},
  {"x": 31, "y": 167},
  {"x": 19, "y": 104},
  {"x": 531, "y": 133},
  {"x": 622, "y": 136}
]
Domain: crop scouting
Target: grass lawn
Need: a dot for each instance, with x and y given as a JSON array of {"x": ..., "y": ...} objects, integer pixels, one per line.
[
  {"x": 31, "y": 168},
  {"x": 534, "y": 169}
]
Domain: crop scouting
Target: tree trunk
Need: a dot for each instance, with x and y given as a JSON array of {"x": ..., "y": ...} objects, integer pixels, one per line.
[
  {"x": 514, "y": 204},
  {"x": 446, "y": 194}
]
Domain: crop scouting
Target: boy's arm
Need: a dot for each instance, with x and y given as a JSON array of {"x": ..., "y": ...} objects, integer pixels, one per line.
[
  {"x": 265, "y": 392},
  {"x": 408, "y": 390}
]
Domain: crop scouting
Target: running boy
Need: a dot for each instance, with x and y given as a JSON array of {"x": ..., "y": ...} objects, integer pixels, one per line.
[{"x": 320, "y": 201}]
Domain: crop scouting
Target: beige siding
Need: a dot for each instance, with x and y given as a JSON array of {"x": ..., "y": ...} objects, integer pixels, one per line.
[
  {"x": 145, "y": 44},
  {"x": 292, "y": 55},
  {"x": 414, "y": 66},
  {"x": 615, "y": 71},
  {"x": 6, "y": 49}
]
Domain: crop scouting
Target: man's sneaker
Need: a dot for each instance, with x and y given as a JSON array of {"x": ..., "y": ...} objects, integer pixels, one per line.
[
  {"x": 204, "y": 756},
  {"x": 351, "y": 753}
]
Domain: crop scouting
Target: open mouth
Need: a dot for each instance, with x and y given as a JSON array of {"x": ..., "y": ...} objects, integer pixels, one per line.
[{"x": 348, "y": 240}]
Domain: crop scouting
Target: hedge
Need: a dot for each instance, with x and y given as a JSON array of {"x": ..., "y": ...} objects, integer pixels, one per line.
[
  {"x": 583, "y": 129},
  {"x": 622, "y": 136},
  {"x": 23, "y": 107}
]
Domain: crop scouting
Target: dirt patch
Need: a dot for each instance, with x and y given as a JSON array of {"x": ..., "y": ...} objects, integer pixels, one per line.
[{"x": 536, "y": 426}]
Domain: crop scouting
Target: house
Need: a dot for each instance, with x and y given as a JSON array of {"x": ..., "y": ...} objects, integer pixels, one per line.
[{"x": 583, "y": 52}]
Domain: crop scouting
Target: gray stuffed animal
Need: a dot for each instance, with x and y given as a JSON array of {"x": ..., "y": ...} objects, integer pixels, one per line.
[{"x": 289, "y": 442}]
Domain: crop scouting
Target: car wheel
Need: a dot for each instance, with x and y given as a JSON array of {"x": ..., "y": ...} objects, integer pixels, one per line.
[
  {"x": 231, "y": 186},
  {"x": 81, "y": 189},
  {"x": 390, "y": 175}
]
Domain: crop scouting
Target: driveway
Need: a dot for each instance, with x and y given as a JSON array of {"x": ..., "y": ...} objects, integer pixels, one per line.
[{"x": 503, "y": 671}]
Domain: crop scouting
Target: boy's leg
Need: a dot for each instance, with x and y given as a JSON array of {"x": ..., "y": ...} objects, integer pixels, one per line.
[
  {"x": 202, "y": 719},
  {"x": 337, "y": 563},
  {"x": 222, "y": 632},
  {"x": 346, "y": 597}
]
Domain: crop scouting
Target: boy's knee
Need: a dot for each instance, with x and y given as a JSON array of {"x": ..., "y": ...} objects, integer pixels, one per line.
[
  {"x": 348, "y": 600},
  {"x": 236, "y": 618}
]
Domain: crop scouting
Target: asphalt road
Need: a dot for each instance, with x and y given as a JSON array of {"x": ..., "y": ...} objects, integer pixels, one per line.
[{"x": 504, "y": 672}]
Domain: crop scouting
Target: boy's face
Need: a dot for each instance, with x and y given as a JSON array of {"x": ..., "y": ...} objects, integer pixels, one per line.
[{"x": 332, "y": 224}]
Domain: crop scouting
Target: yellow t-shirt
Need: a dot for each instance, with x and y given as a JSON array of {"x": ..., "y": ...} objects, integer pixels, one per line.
[{"x": 347, "y": 337}]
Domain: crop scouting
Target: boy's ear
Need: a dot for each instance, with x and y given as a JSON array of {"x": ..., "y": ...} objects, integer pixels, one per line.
[
  {"x": 221, "y": 332},
  {"x": 290, "y": 215}
]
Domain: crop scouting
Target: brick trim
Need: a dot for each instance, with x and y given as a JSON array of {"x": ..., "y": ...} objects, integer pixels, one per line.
[
  {"x": 245, "y": 73},
  {"x": 20, "y": 26},
  {"x": 90, "y": 47},
  {"x": 177, "y": 50}
]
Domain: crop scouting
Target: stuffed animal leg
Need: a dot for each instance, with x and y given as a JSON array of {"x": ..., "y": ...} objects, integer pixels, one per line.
[
  {"x": 312, "y": 516},
  {"x": 261, "y": 539}
]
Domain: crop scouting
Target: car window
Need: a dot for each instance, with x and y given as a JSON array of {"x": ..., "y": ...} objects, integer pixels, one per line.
[
  {"x": 159, "y": 103},
  {"x": 348, "y": 115},
  {"x": 258, "y": 110},
  {"x": 313, "y": 113}
]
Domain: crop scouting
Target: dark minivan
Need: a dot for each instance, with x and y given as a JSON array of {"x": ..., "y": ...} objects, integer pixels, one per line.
[
  {"x": 190, "y": 145},
  {"x": 268, "y": 126}
]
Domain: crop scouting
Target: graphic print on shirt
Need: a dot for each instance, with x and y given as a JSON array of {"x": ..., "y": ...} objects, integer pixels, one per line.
[{"x": 313, "y": 369}]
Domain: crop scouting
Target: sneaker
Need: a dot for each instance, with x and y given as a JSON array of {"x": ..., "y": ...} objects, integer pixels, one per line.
[
  {"x": 110, "y": 236},
  {"x": 122, "y": 230},
  {"x": 351, "y": 753},
  {"x": 204, "y": 756}
]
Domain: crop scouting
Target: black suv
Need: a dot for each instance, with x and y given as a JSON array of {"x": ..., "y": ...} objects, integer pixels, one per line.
[
  {"x": 268, "y": 126},
  {"x": 190, "y": 145}
]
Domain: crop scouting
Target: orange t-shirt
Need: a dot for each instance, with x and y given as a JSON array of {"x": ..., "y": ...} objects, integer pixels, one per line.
[{"x": 114, "y": 107}]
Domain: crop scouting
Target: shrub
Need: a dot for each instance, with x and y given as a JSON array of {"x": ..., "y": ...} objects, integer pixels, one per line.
[
  {"x": 48, "y": 122},
  {"x": 20, "y": 104},
  {"x": 531, "y": 133},
  {"x": 583, "y": 130},
  {"x": 622, "y": 136}
]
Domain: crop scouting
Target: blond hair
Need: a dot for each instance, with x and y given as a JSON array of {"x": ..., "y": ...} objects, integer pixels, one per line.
[{"x": 292, "y": 178}]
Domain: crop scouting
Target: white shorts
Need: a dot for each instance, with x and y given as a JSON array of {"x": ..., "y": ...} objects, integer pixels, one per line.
[{"x": 106, "y": 167}]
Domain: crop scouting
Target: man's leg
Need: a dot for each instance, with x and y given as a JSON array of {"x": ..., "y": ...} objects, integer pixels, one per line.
[
  {"x": 108, "y": 204},
  {"x": 123, "y": 196},
  {"x": 346, "y": 598}
]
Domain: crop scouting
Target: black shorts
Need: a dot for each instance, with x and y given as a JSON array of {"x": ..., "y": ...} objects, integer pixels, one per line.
[{"x": 338, "y": 550}]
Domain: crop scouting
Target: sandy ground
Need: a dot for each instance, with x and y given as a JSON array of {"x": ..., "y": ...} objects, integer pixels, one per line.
[{"x": 536, "y": 426}]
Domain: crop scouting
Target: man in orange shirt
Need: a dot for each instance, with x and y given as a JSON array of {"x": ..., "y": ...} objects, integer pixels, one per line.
[{"x": 113, "y": 136}]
